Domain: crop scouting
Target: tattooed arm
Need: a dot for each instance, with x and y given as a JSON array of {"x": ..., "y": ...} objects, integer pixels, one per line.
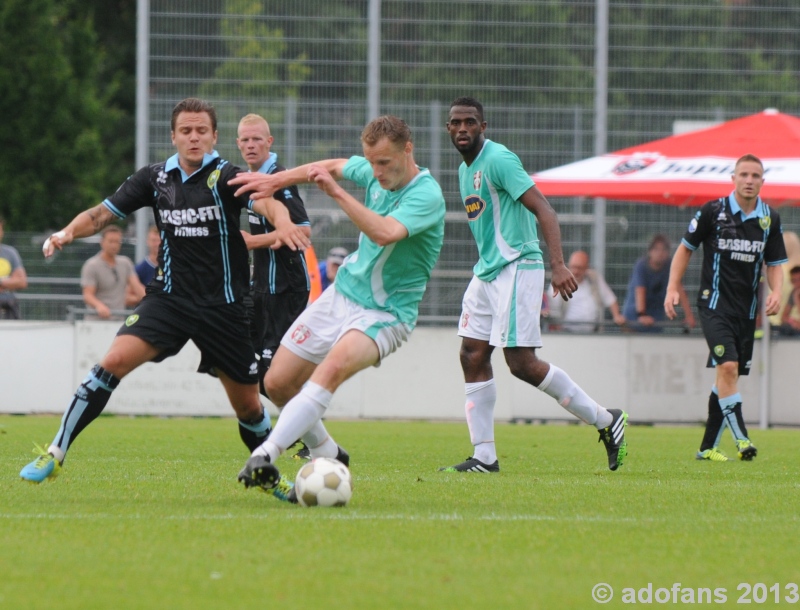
[{"x": 84, "y": 224}]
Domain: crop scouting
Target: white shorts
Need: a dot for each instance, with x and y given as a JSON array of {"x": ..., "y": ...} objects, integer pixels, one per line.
[
  {"x": 505, "y": 311},
  {"x": 324, "y": 322}
]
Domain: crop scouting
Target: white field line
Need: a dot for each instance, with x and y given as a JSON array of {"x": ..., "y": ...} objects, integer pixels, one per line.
[
  {"x": 332, "y": 515},
  {"x": 353, "y": 515}
]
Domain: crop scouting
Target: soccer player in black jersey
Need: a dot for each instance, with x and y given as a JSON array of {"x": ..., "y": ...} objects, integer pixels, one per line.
[
  {"x": 280, "y": 283},
  {"x": 199, "y": 286},
  {"x": 739, "y": 233}
]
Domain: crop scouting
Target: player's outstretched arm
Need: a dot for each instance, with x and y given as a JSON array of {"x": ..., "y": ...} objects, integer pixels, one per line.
[
  {"x": 266, "y": 240},
  {"x": 562, "y": 280},
  {"x": 286, "y": 232},
  {"x": 383, "y": 230},
  {"x": 84, "y": 224},
  {"x": 260, "y": 186},
  {"x": 675, "y": 291}
]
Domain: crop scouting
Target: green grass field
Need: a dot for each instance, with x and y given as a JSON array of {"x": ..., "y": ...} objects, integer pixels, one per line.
[{"x": 147, "y": 514}]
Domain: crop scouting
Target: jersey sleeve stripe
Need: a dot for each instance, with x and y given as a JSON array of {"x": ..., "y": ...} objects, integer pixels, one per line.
[
  {"x": 776, "y": 263},
  {"x": 114, "y": 210}
]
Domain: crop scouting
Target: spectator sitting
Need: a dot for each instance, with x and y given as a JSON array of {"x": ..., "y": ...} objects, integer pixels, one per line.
[
  {"x": 584, "y": 312},
  {"x": 791, "y": 242},
  {"x": 647, "y": 289},
  {"x": 790, "y": 318},
  {"x": 109, "y": 280},
  {"x": 12, "y": 277},
  {"x": 330, "y": 266},
  {"x": 146, "y": 269}
]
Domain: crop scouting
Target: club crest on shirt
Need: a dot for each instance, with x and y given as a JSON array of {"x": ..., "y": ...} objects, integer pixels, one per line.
[
  {"x": 719, "y": 350},
  {"x": 212, "y": 178},
  {"x": 162, "y": 177},
  {"x": 477, "y": 178},
  {"x": 474, "y": 206},
  {"x": 764, "y": 223}
]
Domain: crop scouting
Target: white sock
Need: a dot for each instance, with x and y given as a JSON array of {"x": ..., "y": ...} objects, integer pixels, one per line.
[
  {"x": 569, "y": 395},
  {"x": 297, "y": 418},
  {"x": 319, "y": 442},
  {"x": 479, "y": 407},
  {"x": 57, "y": 452}
]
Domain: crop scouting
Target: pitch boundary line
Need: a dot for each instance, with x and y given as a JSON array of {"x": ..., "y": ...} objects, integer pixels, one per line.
[{"x": 331, "y": 515}]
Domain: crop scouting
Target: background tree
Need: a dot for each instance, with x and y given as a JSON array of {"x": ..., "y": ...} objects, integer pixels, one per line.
[{"x": 58, "y": 138}]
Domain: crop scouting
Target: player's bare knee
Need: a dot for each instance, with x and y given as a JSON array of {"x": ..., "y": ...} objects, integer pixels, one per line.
[
  {"x": 472, "y": 359},
  {"x": 279, "y": 393},
  {"x": 728, "y": 370},
  {"x": 249, "y": 410},
  {"x": 116, "y": 363},
  {"x": 525, "y": 365}
]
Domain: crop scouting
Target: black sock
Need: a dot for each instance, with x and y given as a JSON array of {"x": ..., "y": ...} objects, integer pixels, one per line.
[
  {"x": 714, "y": 422},
  {"x": 255, "y": 431},
  {"x": 87, "y": 403},
  {"x": 737, "y": 410}
]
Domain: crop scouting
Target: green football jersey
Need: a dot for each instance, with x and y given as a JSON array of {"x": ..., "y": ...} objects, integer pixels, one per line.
[
  {"x": 393, "y": 278},
  {"x": 504, "y": 229}
]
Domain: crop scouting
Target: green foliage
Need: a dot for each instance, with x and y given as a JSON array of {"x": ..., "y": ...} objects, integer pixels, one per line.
[
  {"x": 332, "y": 36},
  {"x": 699, "y": 56},
  {"x": 67, "y": 73},
  {"x": 56, "y": 114},
  {"x": 525, "y": 53},
  {"x": 147, "y": 514},
  {"x": 257, "y": 68}
]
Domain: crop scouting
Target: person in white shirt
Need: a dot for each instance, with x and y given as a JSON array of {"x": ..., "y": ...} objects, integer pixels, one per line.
[{"x": 584, "y": 312}]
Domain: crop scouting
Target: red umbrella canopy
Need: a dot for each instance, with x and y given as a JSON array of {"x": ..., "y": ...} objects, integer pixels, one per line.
[{"x": 691, "y": 168}]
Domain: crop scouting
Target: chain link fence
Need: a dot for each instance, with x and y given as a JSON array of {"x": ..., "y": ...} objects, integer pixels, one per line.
[{"x": 305, "y": 67}]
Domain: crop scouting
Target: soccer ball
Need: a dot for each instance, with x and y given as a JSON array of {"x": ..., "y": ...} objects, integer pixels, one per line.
[{"x": 323, "y": 482}]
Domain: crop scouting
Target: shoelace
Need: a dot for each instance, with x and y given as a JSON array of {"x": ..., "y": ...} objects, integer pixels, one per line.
[
  {"x": 44, "y": 457},
  {"x": 282, "y": 489},
  {"x": 716, "y": 456}
]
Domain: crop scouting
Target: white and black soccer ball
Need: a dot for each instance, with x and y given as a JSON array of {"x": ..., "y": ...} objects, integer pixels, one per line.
[{"x": 323, "y": 482}]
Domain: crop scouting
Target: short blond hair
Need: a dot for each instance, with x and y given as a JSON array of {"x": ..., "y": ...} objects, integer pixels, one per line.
[{"x": 254, "y": 119}]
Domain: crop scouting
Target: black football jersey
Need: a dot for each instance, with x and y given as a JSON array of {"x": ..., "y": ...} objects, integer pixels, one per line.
[
  {"x": 734, "y": 250},
  {"x": 284, "y": 269},
  {"x": 203, "y": 255}
]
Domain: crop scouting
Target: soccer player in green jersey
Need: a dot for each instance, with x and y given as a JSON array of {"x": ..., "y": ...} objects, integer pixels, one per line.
[
  {"x": 502, "y": 303},
  {"x": 373, "y": 305}
]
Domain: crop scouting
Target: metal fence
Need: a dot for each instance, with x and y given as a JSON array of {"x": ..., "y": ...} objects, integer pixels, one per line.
[{"x": 316, "y": 69}]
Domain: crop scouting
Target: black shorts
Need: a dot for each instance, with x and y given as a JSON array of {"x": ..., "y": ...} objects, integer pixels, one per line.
[
  {"x": 273, "y": 315},
  {"x": 220, "y": 333},
  {"x": 729, "y": 338}
]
